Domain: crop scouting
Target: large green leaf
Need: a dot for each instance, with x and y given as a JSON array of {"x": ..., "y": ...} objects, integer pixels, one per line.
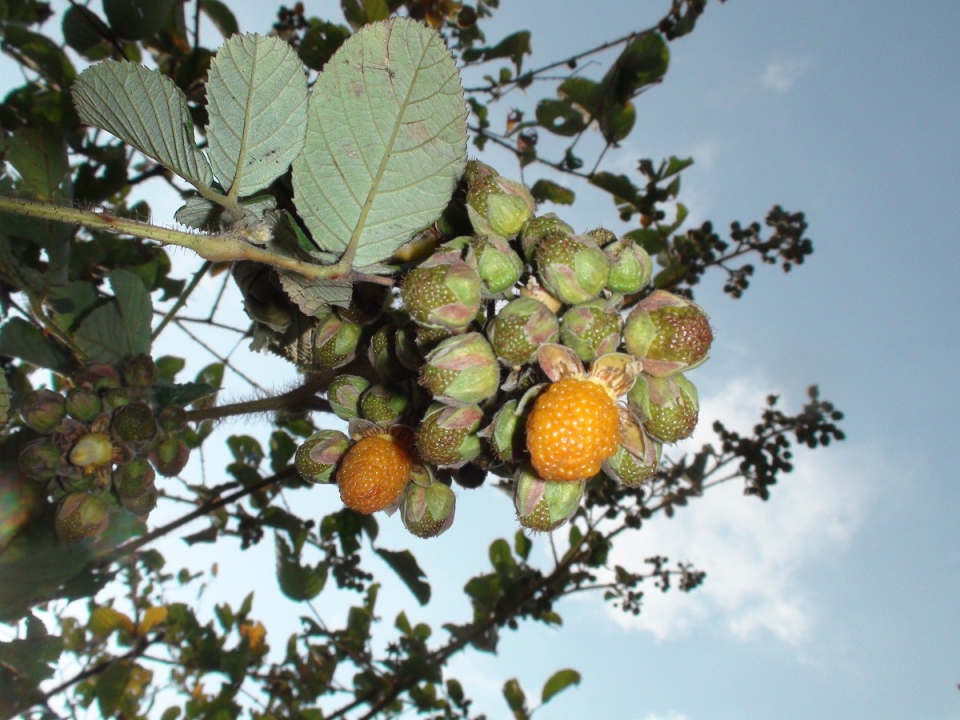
[
  {"x": 19, "y": 338},
  {"x": 386, "y": 141},
  {"x": 121, "y": 327},
  {"x": 146, "y": 110},
  {"x": 136, "y": 19},
  {"x": 257, "y": 100}
]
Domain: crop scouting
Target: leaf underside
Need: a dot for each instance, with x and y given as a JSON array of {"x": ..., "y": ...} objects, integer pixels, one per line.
[
  {"x": 146, "y": 110},
  {"x": 257, "y": 100},
  {"x": 386, "y": 141}
]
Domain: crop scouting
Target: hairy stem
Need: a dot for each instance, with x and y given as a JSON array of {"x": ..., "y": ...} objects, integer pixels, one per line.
[
  {"x": 220, "y": 247},
  {"x": 305, "y": 395}
]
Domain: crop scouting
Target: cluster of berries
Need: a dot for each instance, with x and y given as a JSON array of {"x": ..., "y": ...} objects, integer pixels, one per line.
[
  {"x": 481, "y": 368},
  {"x": 100, "y": 443}
]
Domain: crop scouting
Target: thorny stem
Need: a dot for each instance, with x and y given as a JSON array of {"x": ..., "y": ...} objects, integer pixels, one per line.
[
  {"x": 218, "y": 247},
  {"x": 298, "y": 397}
]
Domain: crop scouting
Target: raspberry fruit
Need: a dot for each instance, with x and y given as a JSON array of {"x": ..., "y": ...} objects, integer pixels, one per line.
[
  {"x": 572, "y": 429},
  {"x": 374, "y": 473}
]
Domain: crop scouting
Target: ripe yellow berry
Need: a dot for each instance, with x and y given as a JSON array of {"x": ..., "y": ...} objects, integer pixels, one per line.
[
  {"x": 373, "y": 474},
  {"x": 572, "y": 429}
]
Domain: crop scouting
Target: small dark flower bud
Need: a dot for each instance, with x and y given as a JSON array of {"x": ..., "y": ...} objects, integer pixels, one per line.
[
  {"x": 39, "y": 460},
  {"x": 83, "y": 403},
  {"x": 81, "y": 516},
  {"x": 134, "y": 478},
  {"x": 140, "y": 371},
  {"x": 170, "y": 457},
  {"x": 42, "y": 410},
  {"x": 134, "y": 423}
]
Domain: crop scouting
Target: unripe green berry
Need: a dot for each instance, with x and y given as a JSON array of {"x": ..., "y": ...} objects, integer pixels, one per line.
[
  {"x": 520, "y": 328},
  {"x": 447, "y": 436},
  {"x": 461, "y": 370},
  {"x": 344, "y": 395},
  {"x": 544, "y": 506},
  {"x": 591, "y": 330},
  {"x": 571, "y": 268},
  {"x": 428, "y": 511},
  {"x": 318, "y": 455}
]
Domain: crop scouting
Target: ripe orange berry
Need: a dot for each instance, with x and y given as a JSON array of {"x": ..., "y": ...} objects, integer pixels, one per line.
[
  {"x": 373, "y": 474},
  {"x": 572, "y": 429}
]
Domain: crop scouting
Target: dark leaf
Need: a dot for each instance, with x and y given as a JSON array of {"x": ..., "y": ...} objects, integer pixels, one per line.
[
  {"x": 558, "y": 682},
  {"x": 136, "y": 19},
  {"x": 560, "y": 117},
  {"x": 85, "y": 32},
  {"x": 298, "y": 582},
  {"x": 513, "y": 46},
  {"x": 320, "y": 42},
  {"x": 20, "y": 339},
  {"x": 404, "y": 564},
  {"x": 40, "y": 53},
  {"x": 40, "y": 156},
  {"x": 515, "y": 698},
  {"x": 110, "y": 686},
  {"x": 549, "y": 191},
  {"x": 221, "y": 17},
  {"x": 617, "y": 185}
]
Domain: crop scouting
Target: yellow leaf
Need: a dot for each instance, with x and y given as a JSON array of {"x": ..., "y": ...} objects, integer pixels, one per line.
[
  {"x": 151, "y": 618},
  {"x": 104, "y": 620},
  {"x": 254, "y": 633}
]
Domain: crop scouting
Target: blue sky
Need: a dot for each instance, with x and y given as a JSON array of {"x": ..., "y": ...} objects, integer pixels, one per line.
[{"x": 839, "y": 597}]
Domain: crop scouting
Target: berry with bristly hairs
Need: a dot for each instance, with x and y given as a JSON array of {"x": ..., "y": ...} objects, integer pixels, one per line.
[
  {"x": 344, "y": 395},
  {"x": 630, "y": 266},
  {"x": 539, "y": 228},
  {"x": 374, "y": 473},
  {"x": 667, "y": 406},
  {"x": 572, "y": 429},
  {"x": 522, "y": 326},
  {"x": 443, "y": 292},
  {"x": 542, "y": 505},
  {"x": 591, "y": 330},
  {"x": 170, "y": 457},
  {"x": 83, "y": 403},
  {"x": 428, "y": 511},
  {"x": 39, "y": 460},
  {"x": 499, "y": 266},
  {"x": 447, "y": 437},
  {"x": 134, "y": 423},
  {"x": 140, "y": 371},
  {"x": 461, "y": 370},
  {"x": 573, "y": 269},
  {"x": 496, "y": 206},
  {"x": 319, "y": 454},
  {"x": 668, "y": 333},
  {"x": 384, "y": 405},
  {"x": 335, "y": 342}
]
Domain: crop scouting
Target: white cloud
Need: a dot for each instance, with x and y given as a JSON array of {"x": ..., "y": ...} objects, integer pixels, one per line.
[
  {"x": 753, "y": 551},
  {"x": 780, "y": 75}
]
